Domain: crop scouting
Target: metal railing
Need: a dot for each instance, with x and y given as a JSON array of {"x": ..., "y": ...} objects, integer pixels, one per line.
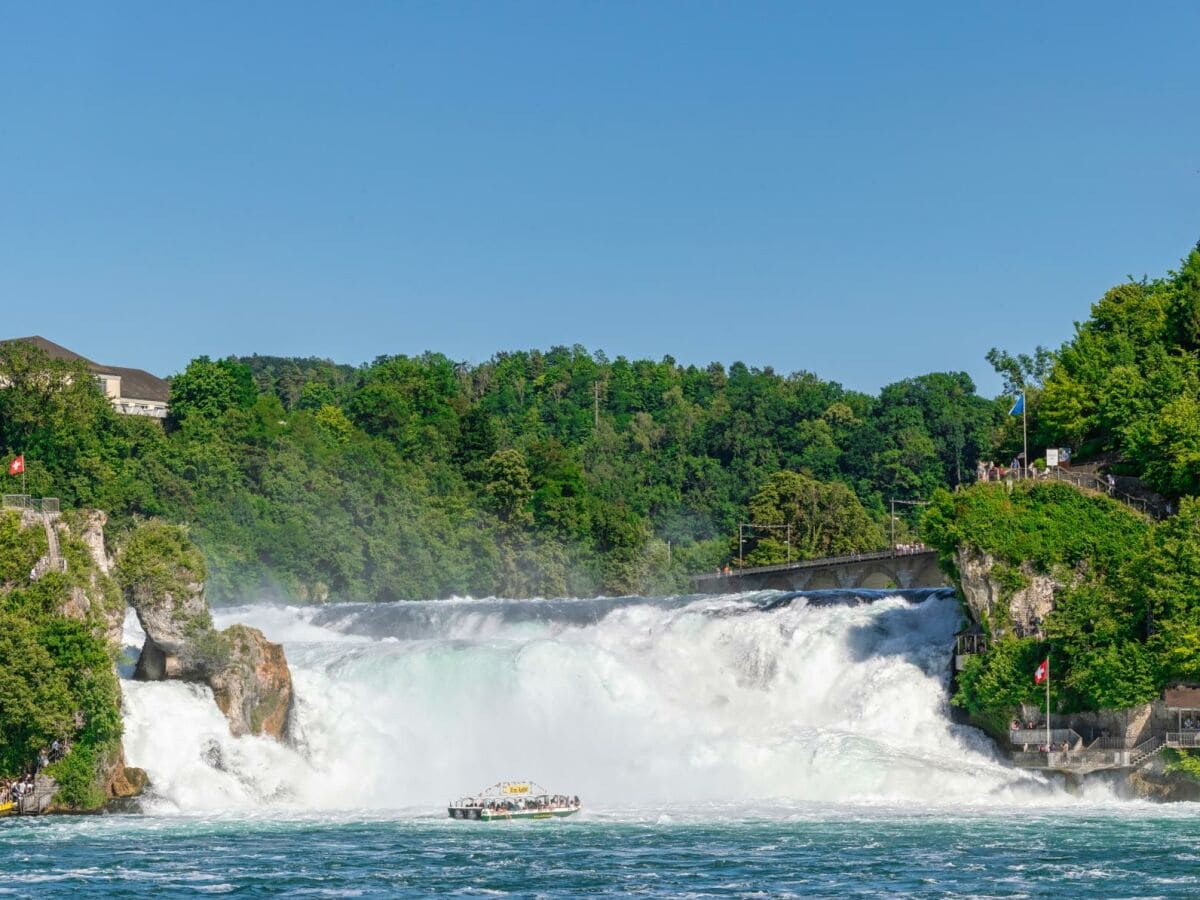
[
  {"x": 1085, "y": 481},
  {"x": 1110, "y": 743},
  {"x": 49, "y": 505},
  {"x": 1089, "y": 481},
  {"x": 1183, "y": 740},
  {"x": 1144, "y": 750},
  {"x": 869, "y": 556},
  {"x": 1090, "y": 758},
  {"x": 1025, "y": 736}
]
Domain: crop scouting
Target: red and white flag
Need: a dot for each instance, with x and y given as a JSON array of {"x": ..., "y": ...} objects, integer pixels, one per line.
[
  {"x": 17, "y": 466},
  {"x": 1043, "y": 672}
]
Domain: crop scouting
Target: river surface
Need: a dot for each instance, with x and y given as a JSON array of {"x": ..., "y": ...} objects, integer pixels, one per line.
[
  {"x": 750, "y": 745},
  {"x": 829, "y": 852}
]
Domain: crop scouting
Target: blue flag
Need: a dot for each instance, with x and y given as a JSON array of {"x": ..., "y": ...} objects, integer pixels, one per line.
[{"x": 1018, "y": 407}]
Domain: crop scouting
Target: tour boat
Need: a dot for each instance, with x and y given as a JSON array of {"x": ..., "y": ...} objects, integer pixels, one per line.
[{"x": 510, "y": 800}]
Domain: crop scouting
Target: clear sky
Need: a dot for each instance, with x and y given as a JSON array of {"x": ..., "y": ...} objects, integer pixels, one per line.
[{"x": 864, "y": 190}]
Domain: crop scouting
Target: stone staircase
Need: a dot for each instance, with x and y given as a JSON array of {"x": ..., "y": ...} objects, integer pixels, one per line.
[{"x": 53, "y": 561}]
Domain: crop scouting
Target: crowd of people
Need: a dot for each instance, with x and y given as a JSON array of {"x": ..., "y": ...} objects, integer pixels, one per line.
[
  {"x": 15, "y": 790},
  {"x": 989, "y": 471},
  {"x": 909, "y": 549},
  {"x": 555, "y": 801}
]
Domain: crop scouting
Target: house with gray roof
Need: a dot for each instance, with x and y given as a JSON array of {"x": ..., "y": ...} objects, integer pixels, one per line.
[{"x": 133, "y": 392}]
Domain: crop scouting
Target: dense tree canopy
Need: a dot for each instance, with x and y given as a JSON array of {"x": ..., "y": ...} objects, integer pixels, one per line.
[
  {"x": 1128, "y": 382},
  {"x": 795, "y": 516},
  {"x": 534, "y": 472}
]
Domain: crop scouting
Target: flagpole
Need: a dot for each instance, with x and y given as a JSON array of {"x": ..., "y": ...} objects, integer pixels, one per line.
[
  {"x": 1025, "y": 436},
  {"x": 1049, "y": 747}
]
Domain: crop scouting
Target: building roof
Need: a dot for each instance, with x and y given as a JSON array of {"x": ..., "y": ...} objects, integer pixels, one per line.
[
  {"x": 51, "y": 349},
  {"x": 136, "y": 384},
  {"x": 1182, "y": 696}
]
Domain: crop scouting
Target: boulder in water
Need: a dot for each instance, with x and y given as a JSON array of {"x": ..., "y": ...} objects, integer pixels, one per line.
[
  {"x": 254, "y": 687},
  {"x": 163, "y": 574}
]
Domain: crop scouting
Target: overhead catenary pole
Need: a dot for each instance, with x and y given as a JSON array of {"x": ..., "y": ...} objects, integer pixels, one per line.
[
  {"x": 894, "y": 501},
  {"x": 742, "y": 526},
  {"x": 893, "y": 521}
]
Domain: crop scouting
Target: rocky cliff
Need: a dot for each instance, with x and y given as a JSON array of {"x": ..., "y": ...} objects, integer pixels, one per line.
[
  {"x": 162, "y": 575},
  {"x": 1007, "y": 599},
  {"x": 62, "y": 637},
  {"x": 99, "y": 598}
]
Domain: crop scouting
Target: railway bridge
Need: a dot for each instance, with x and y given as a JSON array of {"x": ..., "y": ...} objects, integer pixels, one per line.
[{"x": 881, "y": 569}]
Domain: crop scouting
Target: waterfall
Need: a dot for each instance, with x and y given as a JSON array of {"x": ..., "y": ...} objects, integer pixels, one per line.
[{"x": 627, "y": 702}]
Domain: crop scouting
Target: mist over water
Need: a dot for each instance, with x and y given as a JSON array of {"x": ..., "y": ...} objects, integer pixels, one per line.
[{"x": 632, "y": 703}]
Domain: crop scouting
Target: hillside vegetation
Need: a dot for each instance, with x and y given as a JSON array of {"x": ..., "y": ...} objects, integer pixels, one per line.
[
  {"x": 57, "y": 680},
  {"x": 1126, "y": 390},
  {"x": 532, "y": 474},
  {"x": 1127, "y": 385}
]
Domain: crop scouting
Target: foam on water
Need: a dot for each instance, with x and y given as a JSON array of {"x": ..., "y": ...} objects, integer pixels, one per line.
[{"x": 630, "y": 703}]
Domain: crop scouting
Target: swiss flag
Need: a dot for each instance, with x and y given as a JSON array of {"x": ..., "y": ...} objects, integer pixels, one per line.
[
  {"x": 1043, "y": 672},
  {"x": 17, "y": 466}
]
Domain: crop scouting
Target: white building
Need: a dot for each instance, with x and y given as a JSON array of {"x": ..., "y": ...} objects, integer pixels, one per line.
[{"x": 134, "y": 392}]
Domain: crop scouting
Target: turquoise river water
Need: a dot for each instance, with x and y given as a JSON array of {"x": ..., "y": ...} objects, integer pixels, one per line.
[{"x": 814, "y": 853}]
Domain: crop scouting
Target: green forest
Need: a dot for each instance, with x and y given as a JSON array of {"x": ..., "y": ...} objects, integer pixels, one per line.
[
  {"x": 532, "y": 474},
  {"x": 1126, "y": 387},
  {"x": 564, "y": 472}
]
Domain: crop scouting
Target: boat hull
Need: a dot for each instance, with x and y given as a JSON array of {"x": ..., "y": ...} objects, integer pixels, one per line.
[{"x": 488, "y": 815}]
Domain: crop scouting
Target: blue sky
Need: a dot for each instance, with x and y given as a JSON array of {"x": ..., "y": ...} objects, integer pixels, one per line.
[{"x": 864, "y": 190}]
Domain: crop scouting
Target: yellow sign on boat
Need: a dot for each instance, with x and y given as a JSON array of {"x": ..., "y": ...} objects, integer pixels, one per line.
[{"x": 515, "y": 787}]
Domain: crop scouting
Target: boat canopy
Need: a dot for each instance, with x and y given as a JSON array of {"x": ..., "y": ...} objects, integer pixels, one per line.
[{"x": 506, "y": 790}]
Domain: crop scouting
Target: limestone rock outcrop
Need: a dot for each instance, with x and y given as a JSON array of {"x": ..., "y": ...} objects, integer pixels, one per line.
[
  {"x": 1154, "y": 782},
  {"x": 175, "y": 622},
  {"x": 254, "y": 687},
  {"x": 163, "y": 575},
  {"x": 119, "y": 781},
  {"x": 991, "y": 598},
  {"x": 100, "y": 600}
]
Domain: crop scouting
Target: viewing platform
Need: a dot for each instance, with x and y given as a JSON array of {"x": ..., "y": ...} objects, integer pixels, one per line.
[{"x": 1078, "y": 757}]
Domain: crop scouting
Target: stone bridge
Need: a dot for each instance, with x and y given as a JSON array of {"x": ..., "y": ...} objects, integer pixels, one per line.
[{"x": 880, "y": 570}]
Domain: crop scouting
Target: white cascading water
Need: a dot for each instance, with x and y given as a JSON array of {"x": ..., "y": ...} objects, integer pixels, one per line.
[{"x": 625, "y": 702}]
